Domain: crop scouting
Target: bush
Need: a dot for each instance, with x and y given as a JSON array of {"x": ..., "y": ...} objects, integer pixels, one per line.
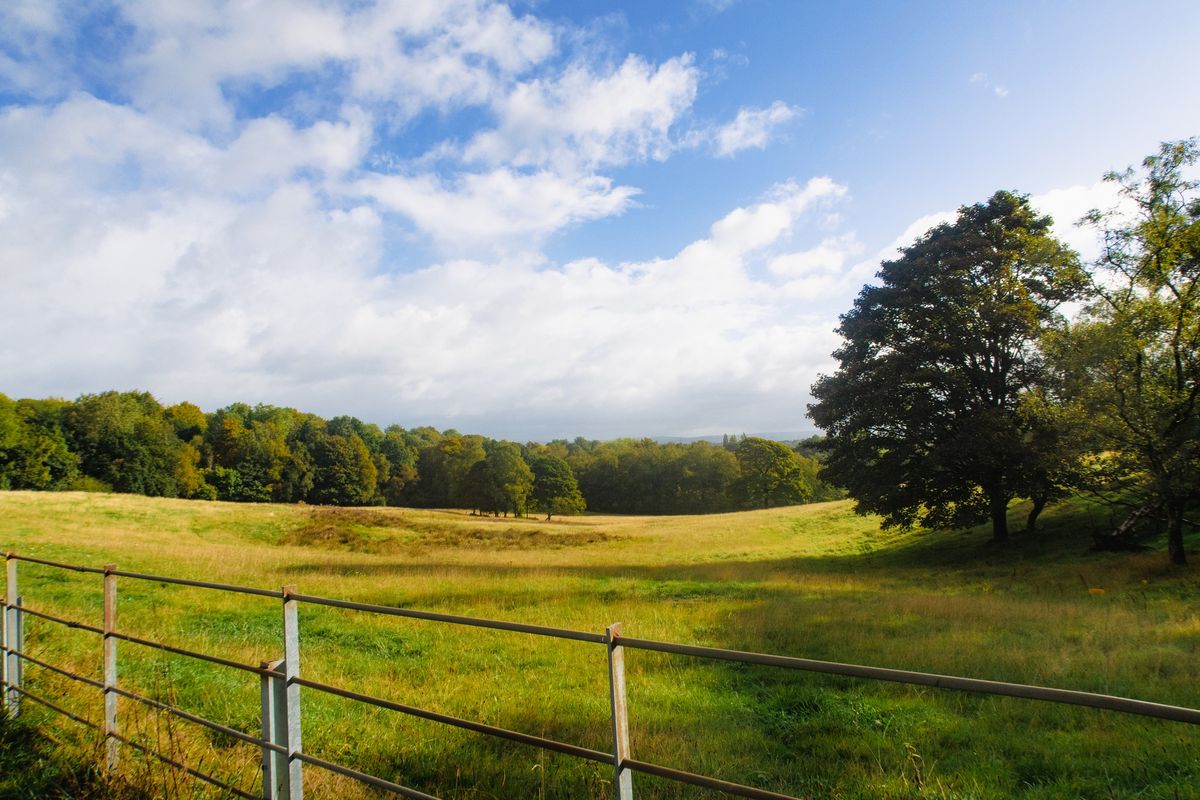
[{"x": 86, "y": 483}]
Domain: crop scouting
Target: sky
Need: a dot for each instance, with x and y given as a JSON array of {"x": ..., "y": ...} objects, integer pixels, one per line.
[{"x": 528, "y": 220}]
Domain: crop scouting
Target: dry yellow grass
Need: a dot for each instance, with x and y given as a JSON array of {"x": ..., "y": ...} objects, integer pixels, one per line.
[{"x": 812, "y": 581}]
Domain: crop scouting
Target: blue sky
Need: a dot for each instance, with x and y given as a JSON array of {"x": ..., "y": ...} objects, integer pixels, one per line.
[{"x": 530, "y": 220}]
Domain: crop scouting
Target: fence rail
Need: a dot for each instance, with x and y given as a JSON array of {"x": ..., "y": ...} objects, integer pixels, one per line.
[{"x": 280, "y": 741}]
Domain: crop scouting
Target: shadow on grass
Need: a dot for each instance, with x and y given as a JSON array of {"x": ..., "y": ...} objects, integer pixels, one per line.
[
  {"x": 1061, "y": 547},
  {"x": 32, "y": 766}
]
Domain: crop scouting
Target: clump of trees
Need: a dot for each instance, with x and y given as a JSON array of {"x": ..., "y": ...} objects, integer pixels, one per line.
[
  {"x": 1131, "y": 365},
  {"x": 924, "y": 412},
  {"x": 129, "y": 442},
  {"x": 962, "y": 386}
]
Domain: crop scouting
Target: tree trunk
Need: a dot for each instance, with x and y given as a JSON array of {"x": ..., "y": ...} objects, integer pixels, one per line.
[
  {"x": 1175, "y": 533},
  {"x": 1039, "y": 503},
  {"x": 999, "y": 503}
]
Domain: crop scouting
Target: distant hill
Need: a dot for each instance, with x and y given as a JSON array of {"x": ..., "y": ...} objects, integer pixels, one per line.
[{"x": 778, "y": 436}]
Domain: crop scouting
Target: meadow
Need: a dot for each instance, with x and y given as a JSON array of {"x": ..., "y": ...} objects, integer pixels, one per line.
[{"x": 814, "y": 581}]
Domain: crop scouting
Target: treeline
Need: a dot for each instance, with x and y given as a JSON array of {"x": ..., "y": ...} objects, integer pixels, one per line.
[{"x": 129, "y": 442}]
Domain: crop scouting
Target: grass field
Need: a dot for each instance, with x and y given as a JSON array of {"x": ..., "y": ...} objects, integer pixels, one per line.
[{"x": 813, "y": 581}]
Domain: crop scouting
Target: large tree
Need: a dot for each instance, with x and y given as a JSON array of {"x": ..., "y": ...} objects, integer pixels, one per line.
[
  {"x": 772, "y": 475},
  {"x": 923, "y": 413},
  {"x": 345, "y": 474},
  {"x": 509, "y": 478},
  {"x": 1132, "y": 365},
  {"x": 125, "y": 440},
  {"x": 555, "y": 490},
  {"x": 33, "y": 449}
]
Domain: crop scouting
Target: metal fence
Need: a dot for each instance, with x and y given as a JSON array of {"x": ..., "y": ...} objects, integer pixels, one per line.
[{"x": 283, "y": 757}]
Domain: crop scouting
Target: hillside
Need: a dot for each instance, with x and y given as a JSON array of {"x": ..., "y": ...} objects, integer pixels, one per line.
[{"x": 813, "y": 581}]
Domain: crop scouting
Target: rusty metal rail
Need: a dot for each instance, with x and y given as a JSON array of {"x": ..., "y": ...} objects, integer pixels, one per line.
[
  {"x": 64, "y": 622},
  {"x": 66, "y": 673},
  {"x": 195, "y": 773},
  {"x": 466, "y": 724},
  {"x": 180, "y": 651},
  {"x": 454, "y": 619},
  {"x": 136, "y": 745},
  {"x": 58, "y": 709},
  {"x": 224, "y": 730},
  {"x": 281, "y": 682},
  {"x": 1028, "y": 692},
  {"x": 362, "y": 777}
]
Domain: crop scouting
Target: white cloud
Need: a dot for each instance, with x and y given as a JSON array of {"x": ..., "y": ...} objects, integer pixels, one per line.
[
  {"x": 1065, "y": 206},
  {"x": 1068, "y": 206},
  {"x": 212, "y": 295},
  {"x": 442, "y": 54},
  {"x": 184, "y": 61},
  {"x": 981, "y": 80},
  {"x": 502, "y": 206},
  {"x": 582, "y": 120},
  {"x": 753, "y": 127},
  {"x": 206, "y": 246},
  {"x": 87, "y": 144},
  {"x": 365, "y": 70},
  {"x": 29, "y": 61},
  {"x": 829, "y": 257},
  {"x": 915, "y": 230},
  {"x": 747, "y": 229}
]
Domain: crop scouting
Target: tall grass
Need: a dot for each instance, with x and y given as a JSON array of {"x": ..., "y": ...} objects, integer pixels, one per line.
[{"x": 813, "y": 581}]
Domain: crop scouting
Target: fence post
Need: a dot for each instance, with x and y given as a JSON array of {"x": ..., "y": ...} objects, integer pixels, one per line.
[
  {"x": 291, "y": 669},
  {"x": 12, "y": 636},
  {"x": 4, "y": 650},
  {"x": 623, "y": 777},
  {"x": 274, "y": 731},
  {"x": 110, "y": 667},
  {"x": 20, "y": 644}
]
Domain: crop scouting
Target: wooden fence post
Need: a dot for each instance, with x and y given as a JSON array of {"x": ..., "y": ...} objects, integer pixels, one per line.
[
  {"x": 12, "y": 637},
  {"x": 274, "y": 731},
  {"x": 110, "y": 666},
  {"x": 622, "y": 776},
  {"x": 291, "y": 669}
]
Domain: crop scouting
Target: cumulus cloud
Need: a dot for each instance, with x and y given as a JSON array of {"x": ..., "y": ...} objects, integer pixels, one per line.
[
  {"x": 1068, "y": 206},
  {"x": 350, "y": 77},
  {"x": 212, "y": 294},
  {"x": 582, "y": 119},
  {"x": 184, "y": 59},
  {"x": 753, "y": 127},
  {"x": 486, "y": 210},
  {"x": 216, "y": 218}
]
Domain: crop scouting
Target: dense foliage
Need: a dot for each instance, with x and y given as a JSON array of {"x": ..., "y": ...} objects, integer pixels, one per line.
[
  {"x": 1131, "y": 365},
  {"x": 923, "y": 413},
  {"x": 960, "y": 386},
  {"x": 128, "y": 442}
]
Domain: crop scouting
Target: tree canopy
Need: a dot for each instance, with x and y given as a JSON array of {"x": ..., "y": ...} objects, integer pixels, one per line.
[
  {"x": 771, "y": 474},
  {"x": 126, "y": 441},
  {"x": 1131, "y": 366},
  {"x": 922, "y": 413},
  {"x": 555, "y": 490}
]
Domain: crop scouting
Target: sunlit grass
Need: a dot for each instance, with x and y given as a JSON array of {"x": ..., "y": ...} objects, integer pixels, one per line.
[{"x": 811, "y": 581}]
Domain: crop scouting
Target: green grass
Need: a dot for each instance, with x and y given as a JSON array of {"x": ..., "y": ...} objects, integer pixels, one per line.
[
  {"x": 34, "y": 766},
  {"x": 814, "y": 581}
]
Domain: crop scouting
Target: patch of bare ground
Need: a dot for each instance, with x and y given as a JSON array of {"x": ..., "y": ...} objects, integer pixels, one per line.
[
  {"x": 512, "y": 538},
  {"x": 357, "y": 529},
  {"x": 379, "y": 531},
  {"x": 364, "y": 517}
]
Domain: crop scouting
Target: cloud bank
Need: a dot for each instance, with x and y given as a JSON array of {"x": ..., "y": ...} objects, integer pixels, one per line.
[{"x": 207, "y": 201}]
